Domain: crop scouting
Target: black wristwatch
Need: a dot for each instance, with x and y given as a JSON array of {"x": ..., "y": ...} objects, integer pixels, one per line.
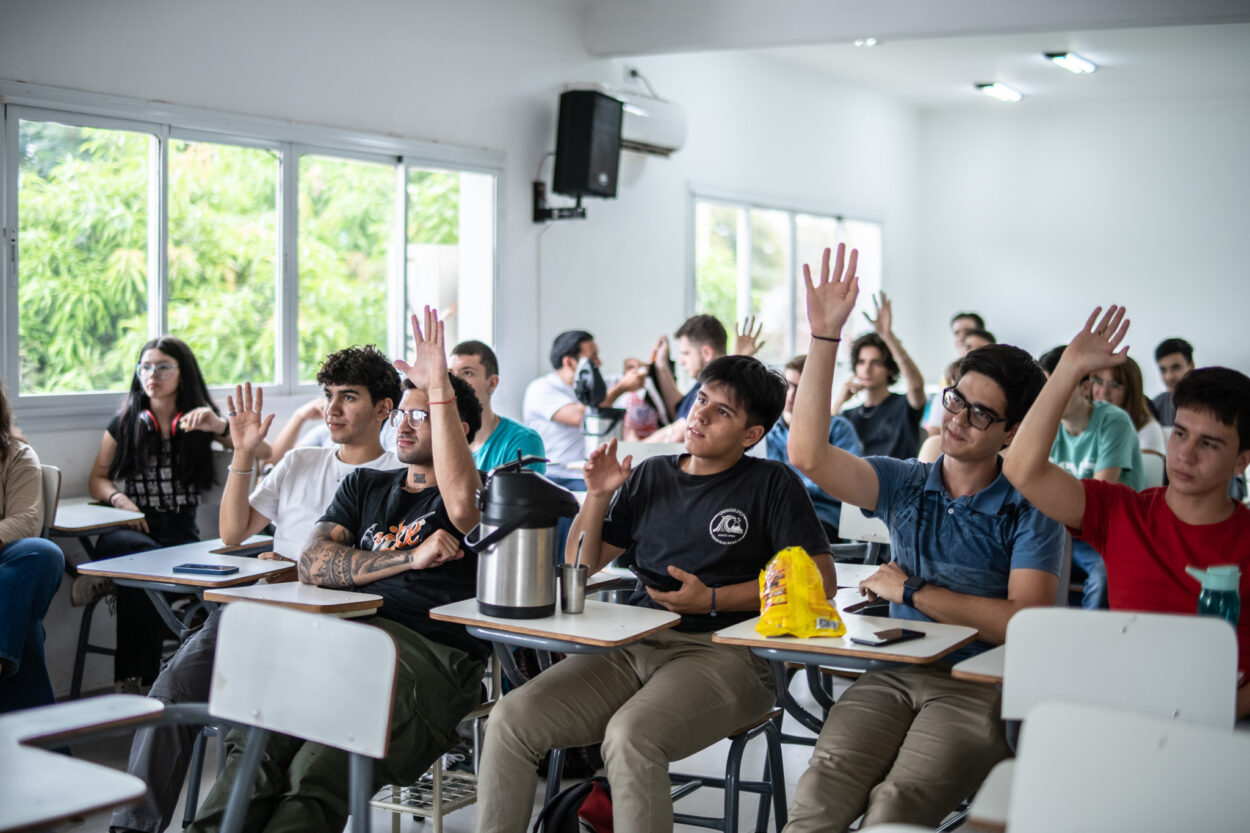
[{"x": 910, "y": 587}]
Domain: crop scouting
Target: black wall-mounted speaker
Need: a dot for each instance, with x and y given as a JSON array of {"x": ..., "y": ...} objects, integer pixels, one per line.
[{"x": 588, "y": 144}]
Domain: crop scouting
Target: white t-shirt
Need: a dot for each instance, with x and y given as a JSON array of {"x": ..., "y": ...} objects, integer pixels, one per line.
[
  {"x": 1151, "y": 438},
  {"x": 298, "y": 490},
  {"x": 543, "y": 397}
]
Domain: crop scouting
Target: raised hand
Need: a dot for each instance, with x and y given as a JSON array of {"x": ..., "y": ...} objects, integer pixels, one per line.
[
  {"x": 747, "y": 341},
  {"x": 429, "y": 366},
  {"x": 603, "y": 473},
  {"x": 883, "y": 324},
  {"x": 831, "y": 299},
  {"x": 1096, "y": 345},
  {"x": 659, "y": 353},
  {"x": 248, "y": 428}
]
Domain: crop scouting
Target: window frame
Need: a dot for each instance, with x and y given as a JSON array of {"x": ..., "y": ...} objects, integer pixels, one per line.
[
  {"x": 289, "y": 140},
  {"x": 745, "y": 203}
]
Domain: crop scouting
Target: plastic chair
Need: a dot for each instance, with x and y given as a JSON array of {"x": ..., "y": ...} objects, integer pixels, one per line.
[
  {"x": 269, "y": 659},
  {"x": 1153, "y": 466},
  {"x": 1090, "y": 768},
  {"x": 873, "y": 534},
  {"x": 1177, "y": 666},
  {"x": 51, "y": 476}
]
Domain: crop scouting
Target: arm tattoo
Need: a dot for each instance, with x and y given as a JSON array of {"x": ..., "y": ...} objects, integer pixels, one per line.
[{"x": 330, "y": 560}]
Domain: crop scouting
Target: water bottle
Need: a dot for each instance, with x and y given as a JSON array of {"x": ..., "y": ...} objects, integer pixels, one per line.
[{"x": 1219, "y": 591}]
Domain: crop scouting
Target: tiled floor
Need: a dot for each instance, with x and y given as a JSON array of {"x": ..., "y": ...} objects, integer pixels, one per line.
[{"x": 113, "y": 752}]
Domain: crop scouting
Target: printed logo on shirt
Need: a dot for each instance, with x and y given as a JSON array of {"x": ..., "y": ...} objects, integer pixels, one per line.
[
  {"x": 402, "y": 536},
  {"x": 729, "y": 526}
]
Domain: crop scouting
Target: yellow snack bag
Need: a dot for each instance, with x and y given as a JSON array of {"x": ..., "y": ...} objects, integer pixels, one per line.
[{"x": 792, "y": 598}]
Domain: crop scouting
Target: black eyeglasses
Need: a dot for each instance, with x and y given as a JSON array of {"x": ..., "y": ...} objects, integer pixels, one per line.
[
  {"x": 978, "y": 417},
  {"x": 414, "y": 417}
]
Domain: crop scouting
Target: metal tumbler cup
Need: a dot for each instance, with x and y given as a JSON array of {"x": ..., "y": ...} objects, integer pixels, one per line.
[{"x": 572, "y": 588}]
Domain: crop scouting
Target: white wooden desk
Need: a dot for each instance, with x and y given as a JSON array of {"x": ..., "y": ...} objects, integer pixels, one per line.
[
  {"x": 850, "y": 575},
  {"x": 80, "y": 516},
  {"x": 296, "y": 595},
  {"x": 38, "y": 787},
  {"x": 153, "y": 571},
  {"x": 983, "y": 668}
]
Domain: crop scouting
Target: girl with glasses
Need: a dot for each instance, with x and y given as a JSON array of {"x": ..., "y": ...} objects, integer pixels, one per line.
[{"x": 1122, "y": 387}]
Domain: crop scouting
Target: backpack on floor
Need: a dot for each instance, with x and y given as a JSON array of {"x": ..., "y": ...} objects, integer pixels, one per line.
[{"x": 585, "y": 807}]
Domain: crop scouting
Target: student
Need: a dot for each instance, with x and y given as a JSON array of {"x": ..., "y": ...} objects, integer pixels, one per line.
[
  {"x": 701, "y": 339},
  {"x": 30, "y": 571},
  {"x": 1122, "y": 386},
  {"x": 1094, "y": 440},
  {"x": 887, "y": 423},
  {"x": 499, "y": 439},
  {"x": 963, "y": 323},
  {"x": 400, "y": 535},
  {"x": 841, "y": 433},
  {"x": 1175, "y": 358},
  {"x": 550, "y": 406},
  {"x": 908, "y": 745},
  {"x": 1148, "y": 538},
  {"x": 977, "y": 338},
  {"x": 159, "y": 446},
  {"x": 359, "y": 390},
  {"x": 709, "y": 519}
]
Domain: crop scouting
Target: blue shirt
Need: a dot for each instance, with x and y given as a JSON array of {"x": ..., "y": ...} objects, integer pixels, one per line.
[
  {"x": 505, "y": 441},
  {"x": 687, "y": 402},
  {"x": 968, "y": 544},
  {"x": 842, "y": 434}
]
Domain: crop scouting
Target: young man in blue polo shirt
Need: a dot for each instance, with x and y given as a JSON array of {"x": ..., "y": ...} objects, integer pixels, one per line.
[{"x": 909, "y": 745}]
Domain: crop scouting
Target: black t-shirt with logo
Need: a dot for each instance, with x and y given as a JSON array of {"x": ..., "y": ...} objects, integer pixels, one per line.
[
  {"x": 382, "y": 515},
  {"x": 891, "y": 429},
  {"x": 721, "y": 527}
]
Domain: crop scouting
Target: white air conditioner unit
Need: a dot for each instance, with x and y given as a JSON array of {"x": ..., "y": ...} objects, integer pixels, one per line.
[{"x": 650, "y": 125}]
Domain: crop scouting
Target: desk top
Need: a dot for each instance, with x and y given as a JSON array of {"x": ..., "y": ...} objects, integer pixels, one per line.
[
  {"x": 63, "y": 720},
  {"x": 157, "y": 565},
  {"x": 850, "y": 575},
  {"x": 77, "y": 516},
  {"x": 296, "y": 595},
  {"x": 939, "y": 640},
  {"x": 602, "y": 624},
  {"x": 983, "y": 668}
]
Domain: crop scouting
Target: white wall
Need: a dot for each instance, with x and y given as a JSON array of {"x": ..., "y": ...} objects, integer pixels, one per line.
[
  {"x": 487, "y": 73},
  {"x": 1033, "y": 215}
]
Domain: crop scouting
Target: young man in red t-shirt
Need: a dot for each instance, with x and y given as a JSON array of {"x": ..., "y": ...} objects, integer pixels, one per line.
[{"x": 1147, "y": 538}]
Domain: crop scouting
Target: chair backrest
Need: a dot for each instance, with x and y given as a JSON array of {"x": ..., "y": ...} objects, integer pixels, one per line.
[
  {"x": 1159, "y": 664},
  {"x": 1089, "y": 768},
  {"x": 1153, "y": 465},
  {"x": 51, "y": 496},
  {"x": 304, "y": 674},
  {"x": 1065, "y": 572},
  {"x": 855, "y": 526}
]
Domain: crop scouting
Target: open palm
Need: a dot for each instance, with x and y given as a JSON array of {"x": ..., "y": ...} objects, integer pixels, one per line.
[
  {"x": 831, "y": 299},
  {"x": 430, "y": 362}
]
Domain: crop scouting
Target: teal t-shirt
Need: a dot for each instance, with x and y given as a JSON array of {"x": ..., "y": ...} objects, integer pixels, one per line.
[
  {"x": 506, "y": 440},
  {"x": 1109, "y": 441}
]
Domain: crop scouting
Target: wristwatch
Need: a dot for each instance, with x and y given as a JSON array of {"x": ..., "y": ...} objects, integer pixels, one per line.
[{"x": 910, "y": 587}]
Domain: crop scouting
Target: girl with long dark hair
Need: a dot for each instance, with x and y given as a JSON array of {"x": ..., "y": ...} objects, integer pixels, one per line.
[
  {"x": 30, "y": 571},
  {"x": 155, "y": 458}
]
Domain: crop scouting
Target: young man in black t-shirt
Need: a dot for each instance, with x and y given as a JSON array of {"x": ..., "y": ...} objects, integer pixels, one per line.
[
  {"x": 400, "y": 534},
  {"x": 705, "y": 522}
]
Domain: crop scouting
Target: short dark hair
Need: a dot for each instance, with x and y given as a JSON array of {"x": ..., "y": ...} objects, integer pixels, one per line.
[
  {"x": 490, "y": 363},
  {"x": 1013, "y": 370},
  {"x": 981, "y": 333},
  {"x": 705, "y": 329},
  {"x": 1221, "y": 392},
  {"x": 980, "y": 322},
  {"x": 797, "y": 363},
  {"x": 759, "y": 390},
  {"x": 568, "y": 345},
  {"x": 1175, "y": 345},
  {"x": 1050, "y": 359},
  {"x": 469, "y": 408},
  {"x": 874, "y": 340},
  {"x": 366, "y": 366}
]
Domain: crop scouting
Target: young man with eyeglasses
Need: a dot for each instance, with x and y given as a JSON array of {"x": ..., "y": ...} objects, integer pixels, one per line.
[
  {"x": 360, "y": 388},
  {"x": 398, "y": 534},
  {"x": 909, "y": 745}
]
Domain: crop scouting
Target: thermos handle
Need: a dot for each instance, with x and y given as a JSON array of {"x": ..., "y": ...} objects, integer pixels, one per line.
[{"x": 491, "y": 538}]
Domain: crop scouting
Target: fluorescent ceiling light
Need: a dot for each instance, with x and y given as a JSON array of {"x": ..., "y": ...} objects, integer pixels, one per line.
[
  {"x": 1071, "y": 61},
  {"x": 1000, "y": 91},
  {"x": 865, "y": 41}
]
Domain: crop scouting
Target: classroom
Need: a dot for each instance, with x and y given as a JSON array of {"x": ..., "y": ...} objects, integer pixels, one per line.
[{"x": 801, "y": 124}]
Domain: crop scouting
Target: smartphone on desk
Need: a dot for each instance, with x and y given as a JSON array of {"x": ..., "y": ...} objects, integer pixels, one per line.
[
  {"x": 887, "y": 637},
  {"x": 207, "y": 569},
  {"x": 664, "y": 583}
]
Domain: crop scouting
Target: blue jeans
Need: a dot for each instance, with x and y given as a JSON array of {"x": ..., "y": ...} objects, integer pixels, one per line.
[
  {"x": 1088, "y": 559},
  {"x": 30, "y": 573}
]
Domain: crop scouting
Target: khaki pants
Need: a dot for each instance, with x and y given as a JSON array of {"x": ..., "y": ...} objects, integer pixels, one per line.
[
  {"x": 651, "y": 703},
  {"x": 901, "y": 746}
]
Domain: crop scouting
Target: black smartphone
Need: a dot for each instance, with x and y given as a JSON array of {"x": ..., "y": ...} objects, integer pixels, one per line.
[
  {"x": 664, "y": 583},
  {"x": 887, "y": 637},
  {"x": 207, "y": 569}
]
